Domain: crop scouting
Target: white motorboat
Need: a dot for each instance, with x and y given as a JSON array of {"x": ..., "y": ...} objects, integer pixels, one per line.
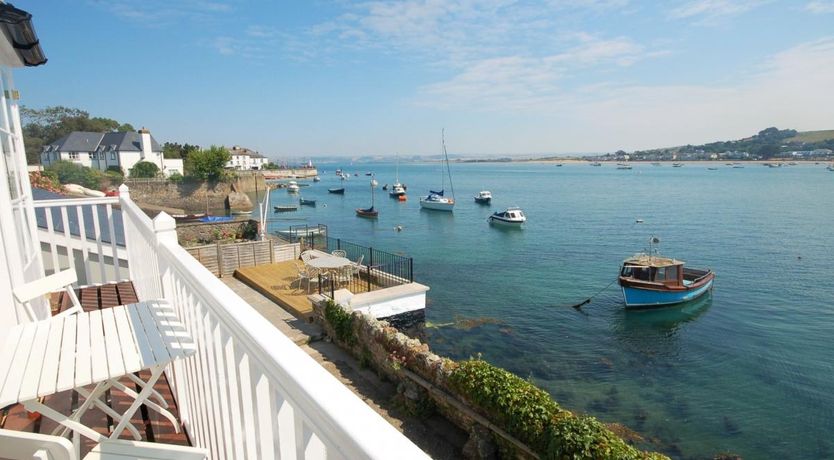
[
  {"x": 316, "y": 179},
  {"x": 437, "y": 200},
  {"x": 292, "y": 187},
  {"x": 484, "y": 197},
  {"x": 513, "y": 216}
]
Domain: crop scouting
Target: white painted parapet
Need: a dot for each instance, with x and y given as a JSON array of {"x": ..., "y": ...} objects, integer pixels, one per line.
[{"x": 385, "y": 302}]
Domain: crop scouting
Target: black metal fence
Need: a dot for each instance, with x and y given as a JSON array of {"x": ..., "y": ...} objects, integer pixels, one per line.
[{"x": 373, "y": 269}]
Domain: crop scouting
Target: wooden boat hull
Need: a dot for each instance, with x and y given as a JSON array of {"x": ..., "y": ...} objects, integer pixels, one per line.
[
  {"x": 285, "y": 208},
  {"x": 338, "y": 191},
  {"x": 368, "y": 214},
  {"x": 644, "y": 296},
  {"x": 304, "y": 202}
]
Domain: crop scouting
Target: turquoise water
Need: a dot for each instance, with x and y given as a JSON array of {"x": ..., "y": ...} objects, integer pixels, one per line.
[{"x": 748, "y": 370}]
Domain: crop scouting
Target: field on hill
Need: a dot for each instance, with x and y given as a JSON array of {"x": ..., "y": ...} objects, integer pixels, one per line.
[{"x": 812, "y": 136}]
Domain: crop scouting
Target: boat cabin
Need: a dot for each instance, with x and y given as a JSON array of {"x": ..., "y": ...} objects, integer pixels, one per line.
[{"x": 654, "y": 269}]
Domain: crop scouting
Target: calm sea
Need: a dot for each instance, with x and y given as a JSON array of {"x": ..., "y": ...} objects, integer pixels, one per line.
[{"x": 748, "y": 370}]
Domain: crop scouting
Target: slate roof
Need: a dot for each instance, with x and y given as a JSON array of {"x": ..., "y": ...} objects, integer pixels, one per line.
[
  {"x": 236, "y": 150},
  {"x": 85, "y": 141}
]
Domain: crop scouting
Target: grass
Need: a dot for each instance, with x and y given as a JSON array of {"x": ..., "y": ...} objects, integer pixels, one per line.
[{"x": 812, "y": 136}]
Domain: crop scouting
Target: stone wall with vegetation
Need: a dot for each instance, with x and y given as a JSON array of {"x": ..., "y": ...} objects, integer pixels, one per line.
[
  {"x": 193, "y": 196},
  {"x": 197, "y": 233},
  {"x": 506, "y": 416}
]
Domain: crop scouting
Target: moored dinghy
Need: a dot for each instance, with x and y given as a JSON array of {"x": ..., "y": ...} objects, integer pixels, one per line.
[{"x": 649, "y": 280}]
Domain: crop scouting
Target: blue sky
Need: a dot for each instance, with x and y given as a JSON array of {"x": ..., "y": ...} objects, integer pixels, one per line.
[{"x": 314, "y": 77}]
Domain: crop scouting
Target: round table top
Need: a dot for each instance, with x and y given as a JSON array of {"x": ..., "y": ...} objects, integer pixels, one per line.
[{"x": 329, "y": 262}]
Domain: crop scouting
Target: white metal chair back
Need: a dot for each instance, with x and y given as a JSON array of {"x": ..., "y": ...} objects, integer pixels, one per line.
[
  {"x": 306, "y": 256},
  {"x": 339, "y": 253},
  {"x": 19, "y": 445},
  {"x": 62, "y": 280}
]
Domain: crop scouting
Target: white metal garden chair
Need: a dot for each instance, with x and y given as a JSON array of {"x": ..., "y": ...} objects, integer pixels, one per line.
[
  {"x": 63, "y": 280},
  {"x": 18, "y": 445}
]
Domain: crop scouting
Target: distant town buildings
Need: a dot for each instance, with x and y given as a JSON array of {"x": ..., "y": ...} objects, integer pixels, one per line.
[
  {"x": 245, "y": 159},
  {"x": 105, "y": 151}
]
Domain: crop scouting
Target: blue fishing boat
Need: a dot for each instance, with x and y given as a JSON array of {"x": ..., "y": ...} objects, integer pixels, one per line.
[{"x": 649, "y": 280}]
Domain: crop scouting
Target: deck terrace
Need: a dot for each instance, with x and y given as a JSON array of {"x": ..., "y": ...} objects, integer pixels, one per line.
[
  {"x": 278, "y": 283},
  {"x": 151, "y": 425}
]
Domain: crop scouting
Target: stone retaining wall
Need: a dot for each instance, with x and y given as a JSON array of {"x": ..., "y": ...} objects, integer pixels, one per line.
[
  {"x": 192, "y": 196},
  {"x": 197, "y": 233},
  {"x": 408, "y": 361}
]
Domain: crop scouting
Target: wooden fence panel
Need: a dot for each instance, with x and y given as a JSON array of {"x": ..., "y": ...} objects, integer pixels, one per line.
[{"x": 206, "y": 255}]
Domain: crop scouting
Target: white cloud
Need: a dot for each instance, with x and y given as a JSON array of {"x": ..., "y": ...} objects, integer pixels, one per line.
[
  {"x": 158, "y": 13},
  {"x": 708, "y": 11},
  {"x": 790, "y": 90},
  {"x": 819, "y": 7},
  {"x": 527, "y": 83}
]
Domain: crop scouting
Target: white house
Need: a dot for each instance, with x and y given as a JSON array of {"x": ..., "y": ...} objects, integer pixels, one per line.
[
  {"x": 103, "y": 150},
  {"x": 245, "y": 159}
]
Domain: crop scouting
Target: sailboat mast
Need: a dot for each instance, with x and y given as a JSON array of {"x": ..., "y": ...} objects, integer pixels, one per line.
[
  {"x": 448, "y": 168},
  {"x": 442, "y": 175}
]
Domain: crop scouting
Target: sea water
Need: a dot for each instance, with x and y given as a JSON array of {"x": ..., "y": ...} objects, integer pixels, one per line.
[{"x": 747, "y": 370}]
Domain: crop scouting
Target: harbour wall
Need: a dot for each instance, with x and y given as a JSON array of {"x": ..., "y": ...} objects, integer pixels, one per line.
[{"x": 425, "y": 382}]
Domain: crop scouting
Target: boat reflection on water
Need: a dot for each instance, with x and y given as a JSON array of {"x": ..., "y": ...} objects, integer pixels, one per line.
[{"x": 655, "y": 331}]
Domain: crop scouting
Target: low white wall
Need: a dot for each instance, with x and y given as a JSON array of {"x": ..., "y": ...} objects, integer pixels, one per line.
[{"x": 385, "y": 302}]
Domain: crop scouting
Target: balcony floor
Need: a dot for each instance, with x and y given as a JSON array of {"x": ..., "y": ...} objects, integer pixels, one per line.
[{"x": 152, "y": 426}]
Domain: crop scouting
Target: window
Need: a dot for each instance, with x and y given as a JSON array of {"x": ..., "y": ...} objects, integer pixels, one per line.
[
  {"x": 73, "y": 155},
  {"x": 112, "y": 155},
  {"x": 94, "y": 156}
]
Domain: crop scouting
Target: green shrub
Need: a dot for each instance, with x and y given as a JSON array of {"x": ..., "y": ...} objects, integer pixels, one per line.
[
  {"x": 68, "y": 172},
  {"x": 176, "y": 177},
  {"x": 144, "y": 169},
  {"x": 341, "y": 321},
  {"x": 530, "y": 415}
]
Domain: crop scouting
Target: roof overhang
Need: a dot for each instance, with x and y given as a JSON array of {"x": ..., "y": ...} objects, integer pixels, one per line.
[{"x": 19, "y": 45}]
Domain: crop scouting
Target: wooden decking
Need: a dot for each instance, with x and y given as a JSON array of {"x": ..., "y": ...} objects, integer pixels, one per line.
[
  {"x": 277, "y": 282},
  {"x": 152, "y": 426}
]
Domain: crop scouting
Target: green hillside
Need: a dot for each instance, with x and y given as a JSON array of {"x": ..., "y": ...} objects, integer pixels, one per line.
[{"x": 812, "y": 136}]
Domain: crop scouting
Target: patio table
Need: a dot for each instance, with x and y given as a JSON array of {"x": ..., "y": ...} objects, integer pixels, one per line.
[{"x": 97, "y": 347}]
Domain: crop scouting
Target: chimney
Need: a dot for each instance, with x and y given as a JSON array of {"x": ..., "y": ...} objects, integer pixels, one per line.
[{"x": 145, "y": 143}]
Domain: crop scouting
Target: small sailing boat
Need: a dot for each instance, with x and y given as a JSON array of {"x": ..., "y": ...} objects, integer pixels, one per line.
[
  {"x": 371, "y": 213},
  {"x": 337, "y": 190},
  {"x": 437, "y": 200},
  {"x": 397, "y": 190},
  {"x": 649, "y": 280},
  {"x": 285, "y": 208},
  {"x": 305, "y": 202}
]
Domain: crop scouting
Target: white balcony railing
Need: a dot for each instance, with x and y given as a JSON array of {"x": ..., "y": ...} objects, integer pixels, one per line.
[
  {"x": 82, "y": 234},
  {"x": 249, "y": 392}
]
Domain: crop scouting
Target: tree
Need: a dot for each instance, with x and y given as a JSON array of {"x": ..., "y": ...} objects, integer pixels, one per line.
[
  {"x": 207, "y": 164},
  {"x": 144, "y": 169},
  {"x": 68, "y": 172},
  {"x": 43, "y": 126},
  {"x": 176, "y": 150},
  {"x": 766, "y": 151}
]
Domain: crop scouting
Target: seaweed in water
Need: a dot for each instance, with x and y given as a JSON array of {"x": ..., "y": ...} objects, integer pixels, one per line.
[{"x": 731, "y": 428}]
